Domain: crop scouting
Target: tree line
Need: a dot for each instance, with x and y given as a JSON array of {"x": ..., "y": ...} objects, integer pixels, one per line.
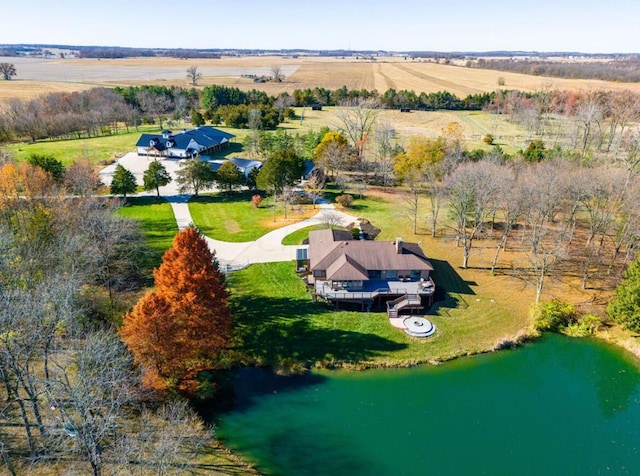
[
  {"x": 621, "y": 70},
  {"x": 600, "y": 117}
]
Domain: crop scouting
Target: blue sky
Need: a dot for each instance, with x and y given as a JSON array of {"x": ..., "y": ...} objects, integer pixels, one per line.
[{"x": 401, "y": 25}]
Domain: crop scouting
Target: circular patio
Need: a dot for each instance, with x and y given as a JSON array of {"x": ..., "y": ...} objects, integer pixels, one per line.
[{"x": 417, "y": 326}]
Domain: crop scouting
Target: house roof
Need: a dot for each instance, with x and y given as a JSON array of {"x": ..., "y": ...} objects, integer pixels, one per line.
[
  {"x": 245, "y": 163},
  {"x": 309, "y": 166},
  {"x": 346, "y": 268},
  {"x": 205, "y": 137},
  {"x": 353, "y": 258}
]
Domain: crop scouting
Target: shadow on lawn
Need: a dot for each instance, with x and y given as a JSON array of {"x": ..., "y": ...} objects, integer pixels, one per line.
[
  {"x": 448, "y": 284},
  {"x": 272, "y": 329}
]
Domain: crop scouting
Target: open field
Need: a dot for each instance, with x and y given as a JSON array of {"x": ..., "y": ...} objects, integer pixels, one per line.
[{"x": 301, "y": 72}]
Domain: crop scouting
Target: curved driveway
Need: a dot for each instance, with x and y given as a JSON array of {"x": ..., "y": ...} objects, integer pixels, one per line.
[{"x": 267, "y": 248}]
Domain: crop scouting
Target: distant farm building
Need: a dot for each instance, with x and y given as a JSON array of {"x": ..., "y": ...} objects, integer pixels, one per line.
[{"x": 184, "y": 144}]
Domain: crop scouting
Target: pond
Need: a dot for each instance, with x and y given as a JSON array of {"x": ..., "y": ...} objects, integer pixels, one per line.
[{"x": 558, "y": 406}]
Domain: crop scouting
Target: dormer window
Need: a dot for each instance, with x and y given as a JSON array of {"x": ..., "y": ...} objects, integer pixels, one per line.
[
  {"x": 152, "y": 143},
  {"x": 170, "y": 143}
]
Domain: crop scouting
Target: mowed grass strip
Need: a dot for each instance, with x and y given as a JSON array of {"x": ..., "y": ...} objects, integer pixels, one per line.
[{"x": 297, "y": 237}]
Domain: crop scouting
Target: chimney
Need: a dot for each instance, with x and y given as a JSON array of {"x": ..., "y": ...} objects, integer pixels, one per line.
[{"x": 398, "y": 243}]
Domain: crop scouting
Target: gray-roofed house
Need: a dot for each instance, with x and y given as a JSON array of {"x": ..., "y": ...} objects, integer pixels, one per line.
[
  {"x": 184, "y": 144},
  {"x": 243, "y": 165},
  {"x": 365, "y": 272},
  {"x": 246, "y": 165}
]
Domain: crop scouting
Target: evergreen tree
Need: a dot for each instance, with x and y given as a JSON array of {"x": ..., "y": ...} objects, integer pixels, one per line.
[
  {"x": 625, "y": 306},
  {"x": 51, "y": 165},
  {"x": 178, "y": 329},
  {"x": 123, "y": 182},
  {"x": 155, "y": 176}
]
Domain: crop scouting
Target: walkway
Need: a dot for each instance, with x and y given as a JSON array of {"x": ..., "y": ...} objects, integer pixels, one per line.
[{"x": 266, "y": 249}]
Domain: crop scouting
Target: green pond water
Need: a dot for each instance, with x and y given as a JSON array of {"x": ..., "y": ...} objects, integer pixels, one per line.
[{"x": 559, "y": 406}]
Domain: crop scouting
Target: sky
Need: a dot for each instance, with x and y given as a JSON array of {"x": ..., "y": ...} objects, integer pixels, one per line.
[{"x": 589, "y": 26}]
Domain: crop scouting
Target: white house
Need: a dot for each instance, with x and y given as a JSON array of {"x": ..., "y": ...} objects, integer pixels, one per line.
[{"x": 184, "y": 144}]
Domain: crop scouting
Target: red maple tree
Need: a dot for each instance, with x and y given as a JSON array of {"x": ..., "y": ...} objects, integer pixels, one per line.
[{"x": 177, "y": 330}]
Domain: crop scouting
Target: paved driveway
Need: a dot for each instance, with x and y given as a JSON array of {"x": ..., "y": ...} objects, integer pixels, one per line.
[{"x": 266, "y": 249}]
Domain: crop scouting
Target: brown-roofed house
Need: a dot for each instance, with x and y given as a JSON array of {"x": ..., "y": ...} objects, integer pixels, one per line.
[{"x": 366, "y": 272}]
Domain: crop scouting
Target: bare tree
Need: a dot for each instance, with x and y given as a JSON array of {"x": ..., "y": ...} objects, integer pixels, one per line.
[
  {"x": 621, "y": 108},
  {"x": 470, "y": 192},
  {"x": 193, "y": 75},
  {"x": 334, "y": 158},
  {"x": 331, "y": 219},
  {"x": 357, "y": 119},
  {"x": 156, "y": 105},
  {"x": 169, "y": 438},
  {"x": 8, "y": 70},
  {"x": 90, "y": 393},
  {"x": 276, "y": 73},
  {"x": 383, "y": 135},
  {"x": 509, "y": 201},
  {"x": 589, "y": 113},
  {"x": 81, "y": 178},
  {"x": 543, "y": 189},
  {"x": 315, "y": 184}
]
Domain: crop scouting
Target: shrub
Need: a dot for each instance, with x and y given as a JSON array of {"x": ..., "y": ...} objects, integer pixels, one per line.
[
  {"x": 345, "y": 200},
  {"x": 586, "y": 325},
  {"x": 488, "y": 139},
  {"x": 355, "y": 233},
  {"x": 554, "y": 315},
  {"x": 535, "y": 151},
  {"x": 256, "y": 200}
]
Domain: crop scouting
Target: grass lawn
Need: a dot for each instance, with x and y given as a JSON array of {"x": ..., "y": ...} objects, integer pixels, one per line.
[
  {"x": 278, "y": 323},
  {"x": 102, "y": 149},
  {"x": 297, "y": 237},
  {"x": 157, "y": 222},
  {"x": 96, "y": 149},
  {"x": 232, "y": 217}
]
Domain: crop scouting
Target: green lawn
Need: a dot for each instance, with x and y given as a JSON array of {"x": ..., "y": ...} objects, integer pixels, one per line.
[
  {"x": 230, "y": 217},
  {"x": 297, "y": 237},
  {"x": 278, "y": 324},
  {"x": 96, "y": 149},
  {"x": 157, "y": 222},
  {"x": 101, "y": 149}
]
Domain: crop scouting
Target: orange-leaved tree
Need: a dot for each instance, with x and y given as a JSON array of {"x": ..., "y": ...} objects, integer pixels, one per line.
[{"x": 177, "y": 330}]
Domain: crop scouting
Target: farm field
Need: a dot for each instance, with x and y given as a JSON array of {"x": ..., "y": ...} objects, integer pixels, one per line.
[{"x": 420, "y": 75}]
